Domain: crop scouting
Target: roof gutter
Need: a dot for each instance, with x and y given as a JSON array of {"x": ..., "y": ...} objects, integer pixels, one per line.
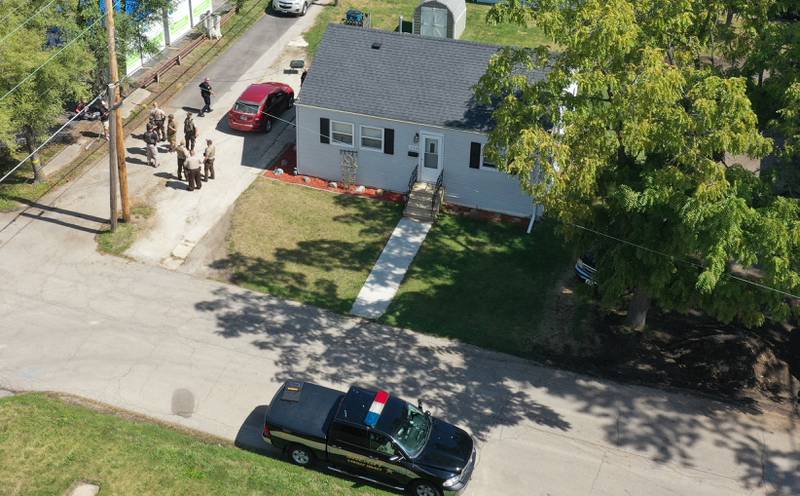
[{"x": 420, "y": 124}]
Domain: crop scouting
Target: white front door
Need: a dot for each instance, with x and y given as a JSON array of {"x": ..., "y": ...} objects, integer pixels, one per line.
[{"x": 430, "y": 158}]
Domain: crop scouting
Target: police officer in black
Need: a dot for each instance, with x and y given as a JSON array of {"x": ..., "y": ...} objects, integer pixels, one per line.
[{"x": 205, "y": 92}]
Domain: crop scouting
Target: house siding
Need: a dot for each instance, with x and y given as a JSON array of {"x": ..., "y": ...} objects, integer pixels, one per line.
[{"x": 476, "y": 188}]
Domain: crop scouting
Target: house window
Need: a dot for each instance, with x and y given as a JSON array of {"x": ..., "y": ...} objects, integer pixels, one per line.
[
  {"x": 486, "y": 163},
  {"x": 372, "y": 138},
  {"x": 342, "y": 133}
]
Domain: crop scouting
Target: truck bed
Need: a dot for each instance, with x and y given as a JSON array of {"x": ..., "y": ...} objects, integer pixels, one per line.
[{"x": 307, "y": 413}]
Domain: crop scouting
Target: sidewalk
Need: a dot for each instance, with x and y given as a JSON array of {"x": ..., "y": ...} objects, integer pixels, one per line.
[{"x": 386, "y": 276}]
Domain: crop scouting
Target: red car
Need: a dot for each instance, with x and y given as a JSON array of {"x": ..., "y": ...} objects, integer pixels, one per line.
[{"x": 258, "y": 106}]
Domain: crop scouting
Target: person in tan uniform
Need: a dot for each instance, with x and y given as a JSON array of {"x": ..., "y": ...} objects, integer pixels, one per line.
[
  {"x": 172, "y": 132},
  {"x": 208, "y": 160},
  {"x": 192, "y": 169},
  {"x": 157, "y": 118},
  {"x": 189, "y": 131},
  {"x": 182, "y": 154}
]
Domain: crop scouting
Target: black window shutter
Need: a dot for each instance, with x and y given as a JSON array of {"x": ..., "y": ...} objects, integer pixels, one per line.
[
  {"x": 388, "y": 141},
  {"x": 324, "y": 130},
  {"x": 474, "y": 155}
]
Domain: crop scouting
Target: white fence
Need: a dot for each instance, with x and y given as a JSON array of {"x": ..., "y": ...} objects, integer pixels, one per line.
[{"x": 186, "y": 14}]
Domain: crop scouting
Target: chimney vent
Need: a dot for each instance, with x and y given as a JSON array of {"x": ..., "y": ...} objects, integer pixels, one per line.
[{"x": 376, "y": 45}]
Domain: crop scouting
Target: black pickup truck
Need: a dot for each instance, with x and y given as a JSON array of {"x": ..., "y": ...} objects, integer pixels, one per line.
[{"x": 370, "y": 435}]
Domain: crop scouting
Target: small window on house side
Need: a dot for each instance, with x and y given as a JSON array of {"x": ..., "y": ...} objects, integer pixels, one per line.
[
  {"x": 372, "y": 138},
  {"x": 485, "y": 162},
  {"x": 342, "y": 133}
]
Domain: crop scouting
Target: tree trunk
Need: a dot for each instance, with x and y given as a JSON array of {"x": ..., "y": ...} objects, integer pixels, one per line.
[
  {"x": 637, "y": 310},
  {"x": 36, "y": 164}
]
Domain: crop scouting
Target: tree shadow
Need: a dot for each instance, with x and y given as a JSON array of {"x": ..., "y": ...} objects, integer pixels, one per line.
[
  {"x": 311, "y": 270},
  {"x": 483, "y": 391},
  {"x": 372, "y": 215}
]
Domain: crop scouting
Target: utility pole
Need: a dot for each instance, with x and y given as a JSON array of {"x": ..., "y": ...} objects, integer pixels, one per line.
[
  {"x": 112, "y": 158},
  {"x": 118, "y": 138}
]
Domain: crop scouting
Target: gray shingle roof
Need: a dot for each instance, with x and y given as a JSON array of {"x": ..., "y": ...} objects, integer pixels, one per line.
[{"x": 410, "y": 78}]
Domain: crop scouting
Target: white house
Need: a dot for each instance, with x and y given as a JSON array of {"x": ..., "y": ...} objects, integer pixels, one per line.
[{"x": 402, "y": 106}]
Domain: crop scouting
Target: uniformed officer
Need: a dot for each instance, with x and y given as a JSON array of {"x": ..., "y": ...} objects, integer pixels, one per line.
[
  {"x": 189, "y": 131},
  {"x": 172, "y": 132},
  {"x": 192, "y": 169},
  {"x": 206, "y": 92},
  {"x": 182, "y": 154},
  {"x": 208, "y": 160},
  {"x": 157, "y": 117},
  {"x": 151, "y": 139}
]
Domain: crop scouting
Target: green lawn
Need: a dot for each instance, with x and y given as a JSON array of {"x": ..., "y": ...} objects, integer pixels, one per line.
[
  {"x": 116, "y": 243},
  {"x": 306, "y": 245},
  {"x": 385, "y": 15},
  {"x": 483, "y": 282},
  {"x": 19, "y": 186},
  {"x": 46, "y": 445}
]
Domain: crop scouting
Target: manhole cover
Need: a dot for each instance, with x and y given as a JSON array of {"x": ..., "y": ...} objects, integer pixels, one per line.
[
  {"x": 85, "y": 489},
  {"x": 183, "y": 403}
]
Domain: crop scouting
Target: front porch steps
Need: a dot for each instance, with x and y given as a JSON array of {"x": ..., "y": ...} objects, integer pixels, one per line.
[{"x": 420, "y": 202}]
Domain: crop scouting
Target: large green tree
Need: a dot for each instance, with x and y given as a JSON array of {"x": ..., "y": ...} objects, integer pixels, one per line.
[
  {"x": 37, "y": 105},
  {"x": 637, "y": 154}
]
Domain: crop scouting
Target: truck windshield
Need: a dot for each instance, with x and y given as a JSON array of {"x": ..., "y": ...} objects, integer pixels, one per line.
[{"x": 411, "y": 430}]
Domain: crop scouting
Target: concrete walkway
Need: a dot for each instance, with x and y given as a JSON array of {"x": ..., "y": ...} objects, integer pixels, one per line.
[{"x": 386, "y": 276}]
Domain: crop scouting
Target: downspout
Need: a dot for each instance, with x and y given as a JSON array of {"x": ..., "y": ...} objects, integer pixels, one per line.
[{"x": 533, "y": 218}]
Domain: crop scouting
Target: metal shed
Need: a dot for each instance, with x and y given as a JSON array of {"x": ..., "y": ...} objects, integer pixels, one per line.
[{"x": 440, "y": 18}]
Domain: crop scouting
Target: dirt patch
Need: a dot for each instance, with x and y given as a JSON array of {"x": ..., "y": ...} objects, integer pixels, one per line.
[
  {"x": 485, "y": 215},
  {"x": 676, "y": 351}
]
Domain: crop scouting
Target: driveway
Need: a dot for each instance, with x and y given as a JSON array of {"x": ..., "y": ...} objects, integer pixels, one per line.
[{"x": 182, "y": 219}]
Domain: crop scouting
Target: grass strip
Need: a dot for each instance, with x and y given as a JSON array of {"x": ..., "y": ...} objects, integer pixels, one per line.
[{"x": 47, "y": 444}]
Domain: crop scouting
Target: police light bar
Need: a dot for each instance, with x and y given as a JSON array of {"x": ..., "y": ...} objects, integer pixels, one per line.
[{"x": 376, "y": 408}]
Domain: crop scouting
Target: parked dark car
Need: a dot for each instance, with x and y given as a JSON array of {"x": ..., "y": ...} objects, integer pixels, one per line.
[
  {"x": 259, "y": 104},
  {"x": 370, "y": 435}
]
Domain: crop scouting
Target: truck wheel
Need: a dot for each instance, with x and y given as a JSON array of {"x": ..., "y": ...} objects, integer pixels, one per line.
[
  {"x": 268, "y": 125},
  {"x": 300, "y": 455},
  {"x": 425, "y": 488},
  {"x": 305, "y": 9}
]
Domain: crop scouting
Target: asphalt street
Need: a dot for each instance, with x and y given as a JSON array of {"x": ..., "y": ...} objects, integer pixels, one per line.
[{"x": 205, "y": 354}]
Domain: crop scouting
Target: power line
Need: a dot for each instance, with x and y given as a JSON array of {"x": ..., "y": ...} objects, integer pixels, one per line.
[
  {"x": 51, "y": 58},
  {"x": 50, "y": 138},
  {"x": 684, "y": 261},
  {"x": 26, "y": 21}
]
